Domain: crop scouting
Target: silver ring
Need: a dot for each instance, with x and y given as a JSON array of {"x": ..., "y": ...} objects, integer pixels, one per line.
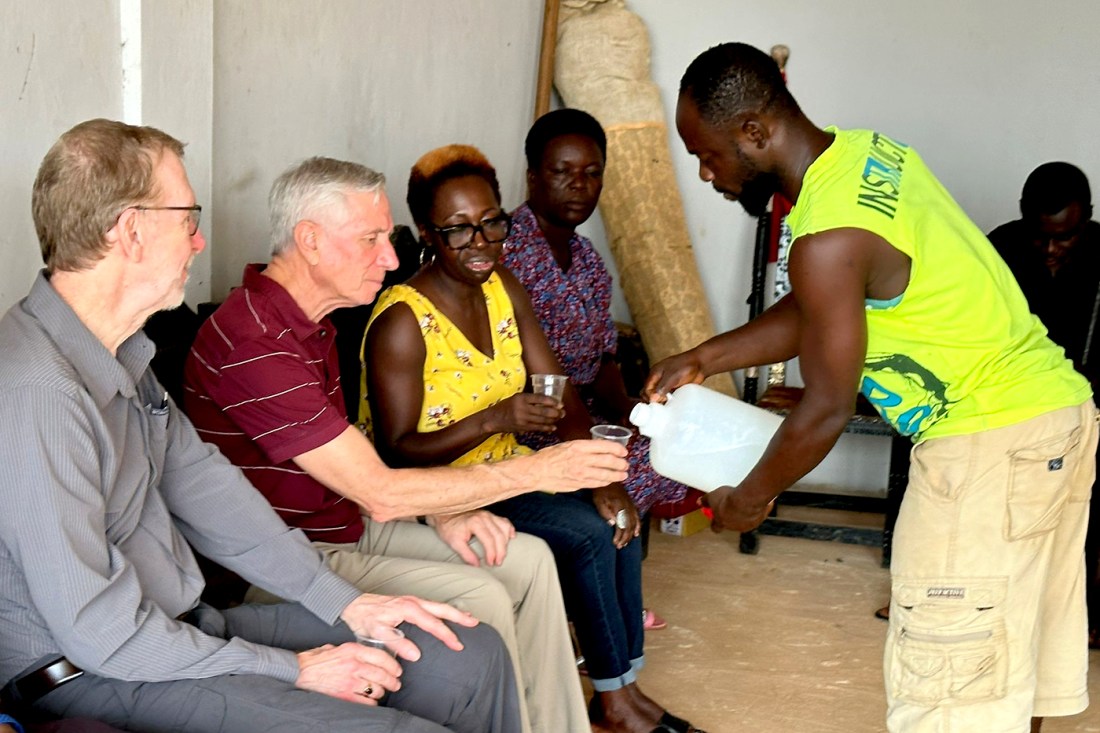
[{"x": 620, "y": 519}]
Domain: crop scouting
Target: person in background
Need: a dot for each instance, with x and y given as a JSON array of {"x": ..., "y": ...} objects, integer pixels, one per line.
[
  {"x": 447, "y": 358},
  {"x": 895, "y": 293},
  {"x": 108, "y": 487},
  {"x": 1053, "y": 250},
  {"x": 263, "y": 384},
  {"x": 570, "y": 287}
]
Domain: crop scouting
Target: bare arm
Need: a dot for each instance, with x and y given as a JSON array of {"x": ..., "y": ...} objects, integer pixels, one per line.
[
  {"x": 539, "y": 357},
  {"x": 349, "y": 466},
  {"x": 830, "y": 276},
  {"x": 395, "y": 362}
]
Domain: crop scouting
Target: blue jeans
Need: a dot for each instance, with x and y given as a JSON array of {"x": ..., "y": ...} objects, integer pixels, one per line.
[{"x": 602, "y": 586}]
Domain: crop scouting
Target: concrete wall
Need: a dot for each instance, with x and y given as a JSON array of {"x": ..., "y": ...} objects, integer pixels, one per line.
[
  {"x": 61, "y": 63},
  {"x": 379, "y": 82},
  {"x": 985, "y": 90},
  {"x": 58, "y": 65},
  {"x": 253, "y": 86}
]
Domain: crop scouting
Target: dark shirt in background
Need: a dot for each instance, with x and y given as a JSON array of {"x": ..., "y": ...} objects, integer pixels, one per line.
[{"x": 1066, "y": 301}]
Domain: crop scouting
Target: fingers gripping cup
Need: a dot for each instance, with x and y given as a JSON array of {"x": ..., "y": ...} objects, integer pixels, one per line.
[
  {"x": 551, "y": 385},
  {"x": 382, "y": 637},
  {"x": 616, "y": 433}
]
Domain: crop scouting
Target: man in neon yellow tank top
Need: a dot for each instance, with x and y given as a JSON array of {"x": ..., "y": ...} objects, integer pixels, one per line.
[{"x": 895, "y": 293}]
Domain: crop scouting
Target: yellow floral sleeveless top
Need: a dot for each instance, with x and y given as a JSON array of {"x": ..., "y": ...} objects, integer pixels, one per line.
[{"x": 459, "y": 380}]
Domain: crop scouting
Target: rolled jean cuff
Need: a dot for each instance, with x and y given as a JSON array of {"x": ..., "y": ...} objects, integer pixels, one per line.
[
  {"x": 637, "y": 664},
  {"x": 615, "y": 683}
]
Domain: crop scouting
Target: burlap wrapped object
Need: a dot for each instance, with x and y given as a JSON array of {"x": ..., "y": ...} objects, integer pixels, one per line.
[{"x": 602, "y": 66}]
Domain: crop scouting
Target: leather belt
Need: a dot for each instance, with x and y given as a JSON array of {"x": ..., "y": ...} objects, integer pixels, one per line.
[{"x": 27, "y": 689}]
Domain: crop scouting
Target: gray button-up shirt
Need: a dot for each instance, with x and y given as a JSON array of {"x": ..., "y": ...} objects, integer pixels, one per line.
[{"x": 106, "y": 483}]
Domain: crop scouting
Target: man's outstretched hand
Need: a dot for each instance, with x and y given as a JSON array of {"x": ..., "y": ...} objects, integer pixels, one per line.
[{"x": 736, "y": 508}]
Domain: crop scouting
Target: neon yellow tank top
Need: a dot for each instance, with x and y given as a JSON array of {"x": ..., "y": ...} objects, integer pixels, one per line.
[
  {"x": 958, "y": 352},
  {"x": 459, "y": 380}
]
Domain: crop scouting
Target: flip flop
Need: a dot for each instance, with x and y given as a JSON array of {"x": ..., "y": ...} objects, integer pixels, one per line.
[
  {"x": 652, "y": 622},
  {"x": 669, "y": 723}
]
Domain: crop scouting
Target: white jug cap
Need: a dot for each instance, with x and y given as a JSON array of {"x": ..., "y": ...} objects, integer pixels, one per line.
[{"x": 649, "y": 418}]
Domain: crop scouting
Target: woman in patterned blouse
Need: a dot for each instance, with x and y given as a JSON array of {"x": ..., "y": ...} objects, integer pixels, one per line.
[{"x": 569, "y": 285}]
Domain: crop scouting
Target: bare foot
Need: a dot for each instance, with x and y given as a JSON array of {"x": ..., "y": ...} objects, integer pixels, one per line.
[
  {"x": 617, "y": 711},
  {"x": 643, "y": 702}
]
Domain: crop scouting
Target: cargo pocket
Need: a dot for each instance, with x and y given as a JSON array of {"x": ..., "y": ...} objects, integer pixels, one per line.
[
  {"x": 949, "y": 645},
  {"x": 1037, "y": 481}
]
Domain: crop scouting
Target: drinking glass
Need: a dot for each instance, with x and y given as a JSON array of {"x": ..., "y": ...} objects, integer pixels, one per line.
[
  {"x": 616, "y": 433},
  {"x": 382, "y": 637},
  {"x": 551, "y": 385}
]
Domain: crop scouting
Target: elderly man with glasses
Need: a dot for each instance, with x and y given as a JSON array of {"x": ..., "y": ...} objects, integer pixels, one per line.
[
  {"x": 263, "y": 384},
  {"x": 107, "y": 484}
]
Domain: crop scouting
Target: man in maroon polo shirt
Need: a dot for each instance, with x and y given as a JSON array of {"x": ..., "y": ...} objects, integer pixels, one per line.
[{"x": 262, "y": 382}]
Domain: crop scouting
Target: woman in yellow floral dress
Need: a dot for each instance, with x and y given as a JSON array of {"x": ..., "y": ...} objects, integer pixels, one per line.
[{"x": 446, "y": 361}]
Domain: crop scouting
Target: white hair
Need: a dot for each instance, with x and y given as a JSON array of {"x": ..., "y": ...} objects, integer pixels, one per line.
[{"x": 313, "y": 187}]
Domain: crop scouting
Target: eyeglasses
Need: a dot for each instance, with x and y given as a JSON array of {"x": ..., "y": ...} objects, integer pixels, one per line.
[
  {"x": 194, "y": 214},
  {"x": 460, "y": 236}
]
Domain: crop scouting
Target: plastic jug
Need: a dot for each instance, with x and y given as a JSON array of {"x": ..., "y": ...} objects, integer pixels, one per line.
[{"x": 703, "y": 438}]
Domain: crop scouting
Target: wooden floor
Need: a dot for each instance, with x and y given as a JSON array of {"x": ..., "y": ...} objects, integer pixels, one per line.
[{"x": 779, "y": 642}]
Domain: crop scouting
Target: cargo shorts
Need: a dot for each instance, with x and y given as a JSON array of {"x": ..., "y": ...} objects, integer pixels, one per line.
[{"x": 987, "y": 616}]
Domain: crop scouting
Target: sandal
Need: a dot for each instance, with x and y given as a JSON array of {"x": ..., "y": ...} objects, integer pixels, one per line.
[
  {"x": 883, "y": 613},
  {"x": 652, "y": 622},
  {"x": 669, "y": 723}
]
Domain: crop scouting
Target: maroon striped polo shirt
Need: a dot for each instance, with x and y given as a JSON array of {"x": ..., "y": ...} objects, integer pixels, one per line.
[{"x": 262, "y": 383}]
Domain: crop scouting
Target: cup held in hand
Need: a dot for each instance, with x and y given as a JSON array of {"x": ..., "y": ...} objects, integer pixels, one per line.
[
  {"x": 551, "y": 385},
  {"x": 616, "y": 433},
  {"x": 382, "y": 637}
]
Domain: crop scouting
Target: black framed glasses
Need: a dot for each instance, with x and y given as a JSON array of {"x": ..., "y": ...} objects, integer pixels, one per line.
[
  {"x": 194, "y": 214},
  {"x": 460, "y": 236}
]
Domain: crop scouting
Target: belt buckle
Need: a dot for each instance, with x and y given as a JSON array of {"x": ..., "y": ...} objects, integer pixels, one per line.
[{"x": 26, "y": 690}]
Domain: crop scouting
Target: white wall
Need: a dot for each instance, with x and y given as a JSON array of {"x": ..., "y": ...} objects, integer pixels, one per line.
[
  {"x": 986, "y": 90},
  {"x": 61, "y": 63},
  {"x": 251, "y": 87},
  {"x": 58, "y": 65},
  {"x": 378, "y": 82}
]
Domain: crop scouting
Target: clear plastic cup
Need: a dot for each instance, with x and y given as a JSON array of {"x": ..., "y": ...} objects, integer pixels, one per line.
[
  {"x": 551, "y": 385},
  {"x": 382, "y": 637},
  {"x": 616, "y": 433}
]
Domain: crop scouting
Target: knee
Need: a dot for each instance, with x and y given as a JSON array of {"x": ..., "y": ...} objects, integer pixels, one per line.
[
  {"x": 530, "y": 552},
  {"x": 490, "y": 603},
  {"x": 484, "y": 657}
]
